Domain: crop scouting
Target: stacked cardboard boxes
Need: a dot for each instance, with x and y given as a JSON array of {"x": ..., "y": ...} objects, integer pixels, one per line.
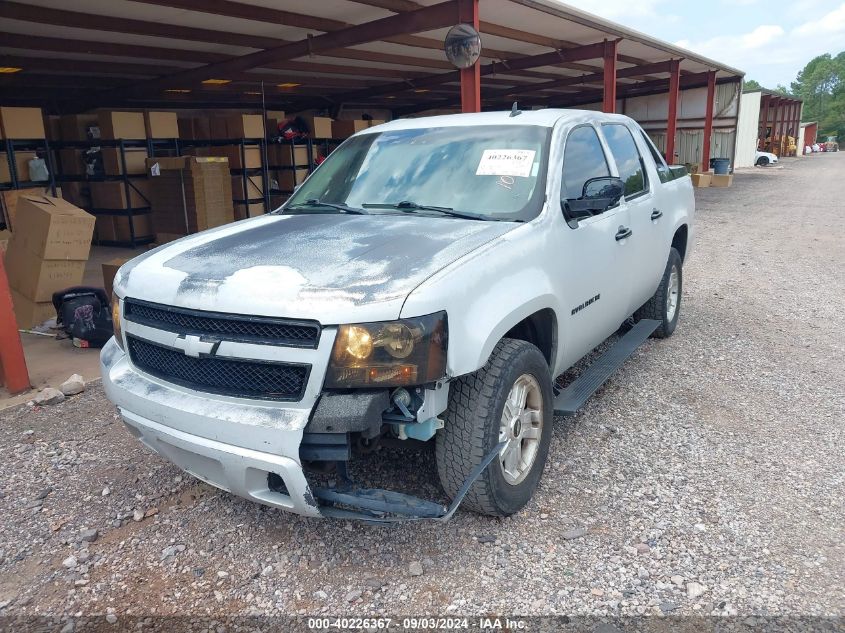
[
  {"x": 46, "y": 253},
  {"x": 22, "y": 123},
  {"x": 189, "y": 194}
]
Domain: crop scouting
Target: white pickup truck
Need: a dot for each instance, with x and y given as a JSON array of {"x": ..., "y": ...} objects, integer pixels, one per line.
[{"x": 427, "y": 282}]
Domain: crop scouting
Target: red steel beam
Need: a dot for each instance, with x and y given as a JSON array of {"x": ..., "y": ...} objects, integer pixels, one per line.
[
  {"x": 425, "y": 19},
  {"x": 609, "y": 94},
  {"x": 708, "y": 120},
  {"x": 470, "y": 77},
  {"x": 13, "y": 372},
  {"x": 672, "y": 119}
]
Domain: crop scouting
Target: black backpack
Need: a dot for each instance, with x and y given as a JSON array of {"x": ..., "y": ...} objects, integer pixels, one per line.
[{"x": 84, "y": 313}]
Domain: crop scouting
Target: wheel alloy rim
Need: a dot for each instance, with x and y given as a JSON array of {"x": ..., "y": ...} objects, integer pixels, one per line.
[
  {"x": 673, "y": 293},
  {"x": 521, "y": 428}
]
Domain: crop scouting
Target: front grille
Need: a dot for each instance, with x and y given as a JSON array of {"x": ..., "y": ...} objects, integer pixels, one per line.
[
  {"x": 233, "y": 327},
  {"x": 240, "y": 378}
]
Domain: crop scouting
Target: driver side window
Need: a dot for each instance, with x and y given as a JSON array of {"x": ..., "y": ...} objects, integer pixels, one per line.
[{"x": 583, "y": 158}]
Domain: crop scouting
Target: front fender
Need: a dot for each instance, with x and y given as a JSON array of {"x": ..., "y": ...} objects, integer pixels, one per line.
[{"x": 485, "y": 294}]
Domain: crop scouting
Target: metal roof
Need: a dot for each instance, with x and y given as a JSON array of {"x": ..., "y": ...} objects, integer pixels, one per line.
[{"x": 367, "y": 53}]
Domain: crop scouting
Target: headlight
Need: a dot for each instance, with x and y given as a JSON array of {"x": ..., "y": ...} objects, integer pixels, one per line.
[
  {"x": 389, "y": 354},
  {"x": 115, "y": 319}
]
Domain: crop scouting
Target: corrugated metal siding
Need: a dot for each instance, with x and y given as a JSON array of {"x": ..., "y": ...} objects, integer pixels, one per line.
[
  {"x": 726, "y": 100},
  {"x": 659, "y": 140},
  {"x": 723, "y": 143},
  {"x": 689, "y": 146}
]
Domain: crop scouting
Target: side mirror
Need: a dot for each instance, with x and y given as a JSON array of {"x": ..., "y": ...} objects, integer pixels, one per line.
[
  {"x": 597, "y": 196},
  {"x": 604, "y": 188}
]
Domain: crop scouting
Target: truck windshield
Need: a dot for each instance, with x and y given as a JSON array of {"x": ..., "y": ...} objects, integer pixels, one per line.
[{"x": 491, "y": 172}]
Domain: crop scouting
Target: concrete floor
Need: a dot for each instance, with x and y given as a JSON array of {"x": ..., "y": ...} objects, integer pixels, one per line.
[{"x": 50, "y": 361}]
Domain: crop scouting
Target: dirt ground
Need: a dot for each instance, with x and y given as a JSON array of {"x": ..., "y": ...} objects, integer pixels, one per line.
[{"x": 707, "y": 477}]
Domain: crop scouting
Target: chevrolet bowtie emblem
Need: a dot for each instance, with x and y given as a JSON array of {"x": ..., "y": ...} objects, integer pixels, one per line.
[{"x": 195, "y": 346}]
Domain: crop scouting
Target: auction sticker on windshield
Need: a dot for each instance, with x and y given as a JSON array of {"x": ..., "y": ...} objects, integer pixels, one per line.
[{"x": 506, "y": 162}]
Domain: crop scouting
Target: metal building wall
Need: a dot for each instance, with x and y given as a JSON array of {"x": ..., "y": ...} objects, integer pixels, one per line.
[{"x": 747, "y": 129}]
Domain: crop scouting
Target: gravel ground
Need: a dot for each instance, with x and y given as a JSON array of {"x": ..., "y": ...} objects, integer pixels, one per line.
[{"x": 705, "y": 478}]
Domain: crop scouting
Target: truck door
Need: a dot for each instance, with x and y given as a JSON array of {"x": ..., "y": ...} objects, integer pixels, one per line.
[
  {"x": 592, "y": 278},
  {"x": 649, "y": 245}
]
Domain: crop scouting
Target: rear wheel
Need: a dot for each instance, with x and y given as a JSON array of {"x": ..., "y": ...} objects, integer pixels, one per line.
[
  {"x": 665, "y": 304},
  {"x": 510, "y": 400}
]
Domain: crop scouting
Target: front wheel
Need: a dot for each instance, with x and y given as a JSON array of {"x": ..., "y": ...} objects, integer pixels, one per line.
[
  {"x": 510, "y": 400},
  {"x": 665, "y": 304},
  {"x": 762, "y": 161}
]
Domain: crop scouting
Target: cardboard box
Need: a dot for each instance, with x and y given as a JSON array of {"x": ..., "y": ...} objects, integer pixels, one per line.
[
  {"x": 217, "y": 128},
  {"x": 115, "y": 228},
  {"x": 245, "y": 126},
  {"x": 244, "y": 211},
  {"x": 161, "y": 125},
  {"x": 342, "y": 129},
  {"x": 22, "y": 123},
  {"x": 112, "y": 195},
  {"x": 254, "y": 187},
  {"x": 287, "y": 155},
  {"x": 251, "y": 156},
  {"x": 318, "y": 126},
  {"x": 5, "y": 236},
  {"x": 375, "y": 122},
  {"x": 288, "y": 179},
  {"x": 71, "y": 162},
  {"x": 52, "y": 228},
  {"x": 76, "y": 127},
  {"x": 21, "y": 166},
  {"x": 9, "y": 202},
  {"x": 52, "y": 126},
  {"x": 201, "y": 128},
  {"x": 135, "y": 160},
  {"x": 205, "y": 185},
  {"x": 700, "y": 180},
  {"x": 110, "y": 269},
  {"x": 186, "y": 128},
  {"x": 721, "y": 180},
  {"x": 274, "y": 117},
  {"x": 77, "y": 193},
  {"x": 30, "y": 313},
  {"x": 36, "y": 278},
  {"x": 127, "y": 125}
]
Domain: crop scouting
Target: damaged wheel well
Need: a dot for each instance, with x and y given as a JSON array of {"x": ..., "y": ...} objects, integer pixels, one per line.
[{"x": 539, "y": 329}]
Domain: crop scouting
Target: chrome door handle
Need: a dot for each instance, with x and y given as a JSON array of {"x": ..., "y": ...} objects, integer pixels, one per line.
[
  {"x": 623, "y": 232},
  {"x": 656, "y": 214}
]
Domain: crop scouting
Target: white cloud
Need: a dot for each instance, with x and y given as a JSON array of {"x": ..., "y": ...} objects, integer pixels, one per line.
[{"x": 769, "y": 52}]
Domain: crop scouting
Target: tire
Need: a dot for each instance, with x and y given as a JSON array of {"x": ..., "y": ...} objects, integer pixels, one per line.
[
  {"x": 658, "y": 307},
  {"x": 473, "y": 424},
  {"x": 762, "y": 161}
]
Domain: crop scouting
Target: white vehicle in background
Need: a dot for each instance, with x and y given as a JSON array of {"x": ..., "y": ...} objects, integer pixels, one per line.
[
  {"x": 761, "y": 159},
  {"x": 428, "y": 282}
]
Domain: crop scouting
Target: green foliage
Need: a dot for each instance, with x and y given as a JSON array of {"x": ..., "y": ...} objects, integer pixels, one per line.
[
  {"x": 751, "y": 86},
  {"x": 822, "y": 87}
]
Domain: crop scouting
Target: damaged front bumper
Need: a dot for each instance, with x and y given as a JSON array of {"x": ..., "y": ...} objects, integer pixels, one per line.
[{"x": 250, "y": 449}]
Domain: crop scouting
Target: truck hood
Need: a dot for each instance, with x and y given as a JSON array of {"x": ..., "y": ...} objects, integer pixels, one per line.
[{"x": 329, "y": 267}]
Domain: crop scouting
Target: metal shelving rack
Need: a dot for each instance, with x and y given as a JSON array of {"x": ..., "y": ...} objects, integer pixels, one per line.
[
  {"x": 311, "y": 145},
  {"x": 127, "y": 180}
]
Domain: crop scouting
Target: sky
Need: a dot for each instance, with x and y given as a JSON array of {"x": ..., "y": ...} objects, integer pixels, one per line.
[{"x": 771, "y": 40}]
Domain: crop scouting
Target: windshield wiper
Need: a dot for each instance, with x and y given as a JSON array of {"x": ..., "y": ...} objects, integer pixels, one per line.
[
  {"x": 412, "y": 207},
  {"x": 314, "y": 203}
]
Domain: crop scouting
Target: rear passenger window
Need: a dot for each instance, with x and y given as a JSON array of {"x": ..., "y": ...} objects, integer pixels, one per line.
[
  {"x": 628, "y": 159},
  {"x": 583, "y": 158},
  {"x": 662, "y": 170}
]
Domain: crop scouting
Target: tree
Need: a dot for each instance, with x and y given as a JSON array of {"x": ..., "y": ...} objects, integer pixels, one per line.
[
  {"x": 751, "y": 86},
  {"x": 821, "y": 85}
]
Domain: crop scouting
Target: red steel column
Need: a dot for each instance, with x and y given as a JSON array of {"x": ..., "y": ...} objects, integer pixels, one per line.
[
  {"x": 609, "y": 102},
  {"x": 672, "y": 120},
  {"x": 470, "y": 77},
  {"x": 778, "y": 107},
  {"x": 13, "y": 372},
  {"x": 708, "y": 120}
]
